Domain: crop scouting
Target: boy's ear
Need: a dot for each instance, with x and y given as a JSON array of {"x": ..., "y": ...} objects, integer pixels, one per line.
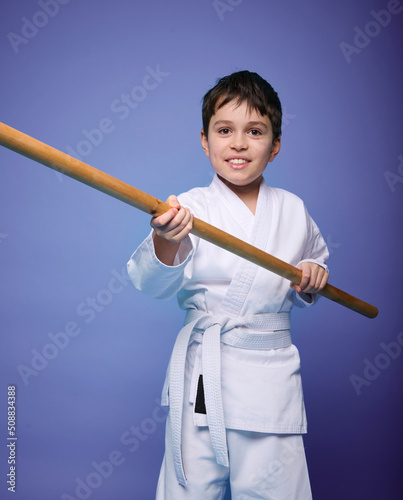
[
  {"x": 275, "y": 149},
  {"x": 204, "y": 143}
]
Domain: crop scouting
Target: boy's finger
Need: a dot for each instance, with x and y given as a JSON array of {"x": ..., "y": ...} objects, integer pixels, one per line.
[
  {"x": 164, "y": 219},
  {"x": 308, "y": 281},
  {"x": 172, "y": 223},
  {"x": 304, "y": 280},
  {"x": 315, "y": 279},
  {"x": 173, "y": 201},
  {"x": 178, "y": 232},
  {"x": 320, "y": 280},
  {"x": 324, "y": 280},
  {"x": 182, "y": 219}
]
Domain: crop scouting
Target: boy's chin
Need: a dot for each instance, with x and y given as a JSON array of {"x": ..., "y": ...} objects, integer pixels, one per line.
[{"x": 241, "y": 183}]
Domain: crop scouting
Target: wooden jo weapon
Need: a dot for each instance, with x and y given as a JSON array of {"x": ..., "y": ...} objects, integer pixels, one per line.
[{"x": 61, "y": 162}]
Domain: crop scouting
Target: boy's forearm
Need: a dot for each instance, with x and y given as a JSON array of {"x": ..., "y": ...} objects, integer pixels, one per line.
[{"x": 165, "y": 250}]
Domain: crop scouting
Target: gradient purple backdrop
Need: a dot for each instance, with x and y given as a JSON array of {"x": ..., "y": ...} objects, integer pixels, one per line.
[{"x": 64, "y": 246}]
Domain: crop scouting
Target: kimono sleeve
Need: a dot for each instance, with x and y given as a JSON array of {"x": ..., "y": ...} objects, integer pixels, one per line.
[
  {"x": 149, "y": 275},
  {"x": 315, "y": 251},
  {"x": 315, "y": 248}
]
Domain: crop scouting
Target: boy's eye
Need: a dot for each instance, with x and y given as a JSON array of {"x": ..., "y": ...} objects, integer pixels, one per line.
[
  {"x": 224, "y": 131},
  {"x": 255, "y": 132}
]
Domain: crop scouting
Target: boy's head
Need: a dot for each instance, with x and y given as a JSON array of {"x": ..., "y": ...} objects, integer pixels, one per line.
[{"x": 241, "y": 87}]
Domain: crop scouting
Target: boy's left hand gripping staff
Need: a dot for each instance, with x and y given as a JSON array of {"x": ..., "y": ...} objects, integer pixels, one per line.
[{"x": 57, "y": 160}]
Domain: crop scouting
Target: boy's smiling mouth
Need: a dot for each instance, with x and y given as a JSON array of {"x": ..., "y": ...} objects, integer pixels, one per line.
[{"x": 237, "y": 161}]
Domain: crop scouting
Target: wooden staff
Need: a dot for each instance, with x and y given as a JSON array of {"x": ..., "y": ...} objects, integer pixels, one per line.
[{"x": 55, "y": 159}]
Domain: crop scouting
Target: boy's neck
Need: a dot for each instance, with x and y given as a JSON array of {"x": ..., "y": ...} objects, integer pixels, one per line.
[{"x": 248, "y": 194}]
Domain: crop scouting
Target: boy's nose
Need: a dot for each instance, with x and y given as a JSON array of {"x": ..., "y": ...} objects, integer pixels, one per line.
[{"x": 238, "y": 142}]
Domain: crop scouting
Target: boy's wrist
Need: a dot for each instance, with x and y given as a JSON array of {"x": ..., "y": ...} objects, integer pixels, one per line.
[{"x": 165, "y": 250}]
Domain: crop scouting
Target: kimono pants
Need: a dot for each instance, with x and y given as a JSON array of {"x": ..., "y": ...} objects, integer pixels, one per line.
[{"x": 262, "y": 466}]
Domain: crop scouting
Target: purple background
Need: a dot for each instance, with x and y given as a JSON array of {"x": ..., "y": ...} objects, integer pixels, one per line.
[{"x": 63, "y": 243}]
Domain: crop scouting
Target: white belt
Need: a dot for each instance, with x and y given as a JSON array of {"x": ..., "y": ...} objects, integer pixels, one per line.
[{"x": 275, "y": 333}]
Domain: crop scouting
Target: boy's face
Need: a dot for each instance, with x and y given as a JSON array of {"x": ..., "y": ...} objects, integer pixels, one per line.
[{"x": 239, "y": 145}]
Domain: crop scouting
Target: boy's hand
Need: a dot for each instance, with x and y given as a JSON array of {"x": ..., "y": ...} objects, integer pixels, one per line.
[
  {"x": 314, "y": 278},
  {"x": 175, "y": 224}
]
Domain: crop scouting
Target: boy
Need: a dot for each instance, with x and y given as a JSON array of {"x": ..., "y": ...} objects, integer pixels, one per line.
[{"x": 233, "y": 384}]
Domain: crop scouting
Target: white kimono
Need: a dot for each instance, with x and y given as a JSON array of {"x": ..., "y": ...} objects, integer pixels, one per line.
[{"x": 237, "y": 314}]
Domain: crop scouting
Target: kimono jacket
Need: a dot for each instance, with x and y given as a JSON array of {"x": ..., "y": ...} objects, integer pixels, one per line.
[{"x": 237, "y": 314}]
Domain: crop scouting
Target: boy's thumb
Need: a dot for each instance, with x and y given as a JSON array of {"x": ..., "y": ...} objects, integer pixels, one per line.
[{"x": 173, "y": 201}]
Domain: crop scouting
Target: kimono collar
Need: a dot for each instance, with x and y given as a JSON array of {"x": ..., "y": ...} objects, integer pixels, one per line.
[{"x": 237, "y": 209}]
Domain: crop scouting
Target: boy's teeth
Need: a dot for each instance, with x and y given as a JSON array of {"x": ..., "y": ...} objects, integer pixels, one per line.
[{"x": 237, "y": 161}]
